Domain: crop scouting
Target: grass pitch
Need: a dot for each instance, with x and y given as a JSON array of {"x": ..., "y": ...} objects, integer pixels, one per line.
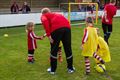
[{"x": 13, "y": 56}]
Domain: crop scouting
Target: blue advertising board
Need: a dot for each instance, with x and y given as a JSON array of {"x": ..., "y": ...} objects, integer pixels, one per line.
[{"x": 76, "y": 15}]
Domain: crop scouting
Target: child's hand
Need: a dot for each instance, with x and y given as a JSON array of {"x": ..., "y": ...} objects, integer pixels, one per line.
[
  {"x": 41, "y": 37},
  {"x": 44, "y": 35},
  {"x": 81, "y": 47}
]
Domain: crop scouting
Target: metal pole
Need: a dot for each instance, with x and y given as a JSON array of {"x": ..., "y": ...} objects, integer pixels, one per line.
[
  {"x": 31, "y": 3},
  {"x": 69, "y": 10},
  {"x": 97, "y": 13}
]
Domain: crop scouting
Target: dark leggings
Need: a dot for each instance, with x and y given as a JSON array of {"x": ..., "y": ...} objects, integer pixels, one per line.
[
  {"x": 31, "y": 52},
  {"x": 107, "y": 29}
]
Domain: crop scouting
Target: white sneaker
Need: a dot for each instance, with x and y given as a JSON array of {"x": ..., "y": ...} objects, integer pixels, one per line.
[
  {"x": 71, "y": 70},
  {"x": 49, "y": 70},
  {"x": 52, "y": 73}
]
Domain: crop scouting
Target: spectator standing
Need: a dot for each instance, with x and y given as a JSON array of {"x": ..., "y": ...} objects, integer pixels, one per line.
[
  {"x": 25, "y": 8},
  {"x": 14, "y": 8}
]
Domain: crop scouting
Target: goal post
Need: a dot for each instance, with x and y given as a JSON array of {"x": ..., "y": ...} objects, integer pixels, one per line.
[{"x": 69, "y": 8}]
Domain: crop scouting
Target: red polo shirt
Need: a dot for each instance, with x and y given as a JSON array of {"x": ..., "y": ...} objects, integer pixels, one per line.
[
  {"x": 54, "y": 21},
  {"x": 110, "y": 12}
]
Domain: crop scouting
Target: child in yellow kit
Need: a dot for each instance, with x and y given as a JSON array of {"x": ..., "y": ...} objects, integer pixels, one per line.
[
  {"x": 103, "y": 50},
  {"x": 89, "y": 44},
  {"x": 60, "y": 52}
]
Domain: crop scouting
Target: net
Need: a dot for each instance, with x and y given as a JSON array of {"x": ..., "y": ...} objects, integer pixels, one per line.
[{"x": 77, "y": 12}]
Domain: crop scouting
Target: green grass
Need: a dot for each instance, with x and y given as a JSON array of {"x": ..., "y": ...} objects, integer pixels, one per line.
[{"x": 13, "y": 56}]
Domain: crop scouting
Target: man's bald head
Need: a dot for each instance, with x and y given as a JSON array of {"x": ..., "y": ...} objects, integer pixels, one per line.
[{"x": 45, "y": 10}]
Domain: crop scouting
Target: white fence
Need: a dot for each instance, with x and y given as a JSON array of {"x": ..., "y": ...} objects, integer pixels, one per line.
[
  {"x": 18, "y": 19},
  {"x": 9, "y": 20}
]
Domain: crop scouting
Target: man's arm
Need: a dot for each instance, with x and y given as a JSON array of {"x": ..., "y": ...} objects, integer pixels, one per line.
[
  {"x": 115, "y": 11},
  {"x": 105, "y": 14},
  {"x": 46, "y": 25}
]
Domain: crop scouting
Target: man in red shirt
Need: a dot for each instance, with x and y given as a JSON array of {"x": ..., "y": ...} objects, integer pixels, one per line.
[
  {"x": 57, "y": 29},
  {"x": 107, "y": 19}
]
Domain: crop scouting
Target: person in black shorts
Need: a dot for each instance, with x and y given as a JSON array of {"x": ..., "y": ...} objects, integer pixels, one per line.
[{"x": 107, "y": 19}]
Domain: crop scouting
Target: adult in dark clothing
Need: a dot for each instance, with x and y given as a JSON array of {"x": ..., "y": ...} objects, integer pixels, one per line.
[
  {"x": 25, "y": 8},
  {"x": 58, "y": 29},
  {"x": 14, "y": 8}
]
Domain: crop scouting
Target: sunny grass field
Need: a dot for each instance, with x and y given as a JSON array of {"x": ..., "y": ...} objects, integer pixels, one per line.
[{"x": 13, "y": 56}]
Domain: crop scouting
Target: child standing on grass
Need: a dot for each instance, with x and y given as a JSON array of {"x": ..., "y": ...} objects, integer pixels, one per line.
[
  {"x": 89, "y": 44},
  {"x": 31, "y": 38},
  {"x": 102, "y": 50},
  {"x": 60, "y": 52}
]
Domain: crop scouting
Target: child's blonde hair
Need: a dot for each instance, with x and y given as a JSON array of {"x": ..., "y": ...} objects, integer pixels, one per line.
[{"x": 29, "y": 24}]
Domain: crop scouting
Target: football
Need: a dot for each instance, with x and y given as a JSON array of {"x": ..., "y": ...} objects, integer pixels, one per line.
[
  {"x": 5, "y": 35},
  {"x": 100, "y": 68}
]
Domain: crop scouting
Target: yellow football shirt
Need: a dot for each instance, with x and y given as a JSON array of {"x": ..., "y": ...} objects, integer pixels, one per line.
[
  {"x": 103, "y": 50},
  {"x": 90, "y": 46}
]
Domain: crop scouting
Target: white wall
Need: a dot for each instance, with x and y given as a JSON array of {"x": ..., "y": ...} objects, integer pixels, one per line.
[
  {"x": 18, "y": 19},
  {"x": 118, "y": 13},
  {"x": 21, "y": 19}
]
